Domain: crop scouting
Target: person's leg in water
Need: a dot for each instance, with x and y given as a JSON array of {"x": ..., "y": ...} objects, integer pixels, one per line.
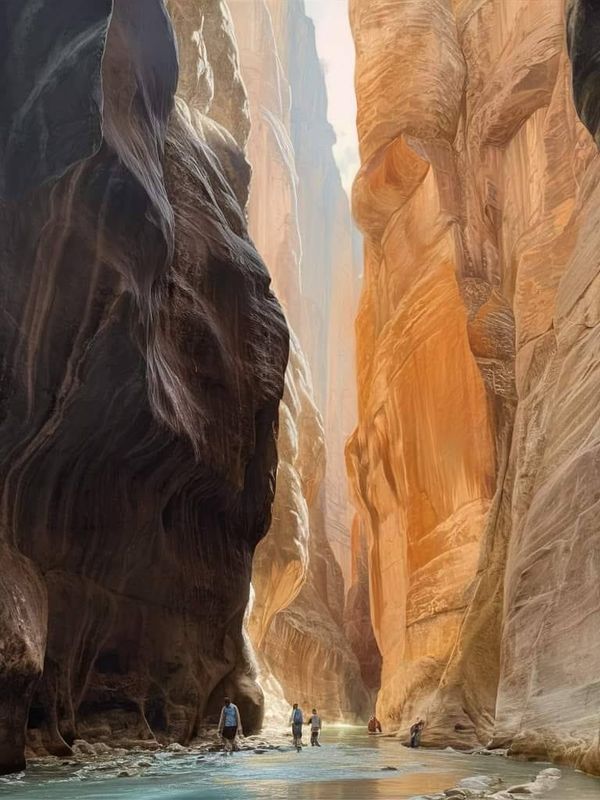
[
  {"x": 229, "y": 734},
  {"x": 297, "y": 732},
  {"x": 314, "y": 739}
]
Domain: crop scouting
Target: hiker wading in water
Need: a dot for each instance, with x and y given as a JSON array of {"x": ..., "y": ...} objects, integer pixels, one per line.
[
  {"x": 296, "y": 721},
  {"x": 374, "y": 726},
  {"x": 415, "y": 732},
  {"x": 230, "y": 725},
  {"x": 315, "y": 728}
]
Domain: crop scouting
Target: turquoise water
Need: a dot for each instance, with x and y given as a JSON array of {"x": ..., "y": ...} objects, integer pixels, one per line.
[{"x": 350, "y": 766}]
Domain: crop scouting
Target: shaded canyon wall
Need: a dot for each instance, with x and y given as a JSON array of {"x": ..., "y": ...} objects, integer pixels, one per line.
[
  {"x": 474, "y": 464},
  {"x": 142, "y": 364}
]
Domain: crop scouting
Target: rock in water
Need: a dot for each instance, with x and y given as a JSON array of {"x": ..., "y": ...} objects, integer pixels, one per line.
[{"x": 143, "y": 357}]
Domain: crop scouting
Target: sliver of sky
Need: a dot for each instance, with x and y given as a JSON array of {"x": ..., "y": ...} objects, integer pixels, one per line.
[{"x": 336, "y": 51}]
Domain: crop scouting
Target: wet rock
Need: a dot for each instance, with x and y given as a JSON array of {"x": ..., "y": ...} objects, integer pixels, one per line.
[
  {"x": 83, "y": 748},
  {"x": 175, "y": 747},
  {"x": 481, "y": 782},
  {"x": 102, "y": 749}
]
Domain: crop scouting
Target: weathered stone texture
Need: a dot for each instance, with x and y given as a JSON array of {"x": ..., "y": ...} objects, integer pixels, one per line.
[
  {"x": 474, "y": 462},
  {"x": 296, "y": 621},
  {"x": 143, "y": 360}
]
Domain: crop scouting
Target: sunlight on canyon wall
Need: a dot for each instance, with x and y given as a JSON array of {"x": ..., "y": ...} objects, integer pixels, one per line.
[
  {"x": 474, "y": 464},
  {"x": 296, "y": 622}
]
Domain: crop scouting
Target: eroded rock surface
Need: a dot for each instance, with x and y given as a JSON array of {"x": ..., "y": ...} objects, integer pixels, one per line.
[
  {"x": 331, "y": 260},
  {"x": 143, "y": 358},
  {"x": 474, "y": 462},
  {"x": 296, "y": 621}
]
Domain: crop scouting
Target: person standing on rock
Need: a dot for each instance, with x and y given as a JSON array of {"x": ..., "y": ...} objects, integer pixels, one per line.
[
  {"x": 297, "y": 721},
  {"x": 415, "y": 732},
  {"x": 230, "y": 725},
  {"x": 315, "y": 728}
]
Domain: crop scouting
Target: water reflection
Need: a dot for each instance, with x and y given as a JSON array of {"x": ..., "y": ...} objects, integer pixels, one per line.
[{"x": 384, "y": 788}]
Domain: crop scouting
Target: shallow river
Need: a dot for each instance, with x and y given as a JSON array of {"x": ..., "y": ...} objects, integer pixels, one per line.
[{"x": 349, "y": 766}]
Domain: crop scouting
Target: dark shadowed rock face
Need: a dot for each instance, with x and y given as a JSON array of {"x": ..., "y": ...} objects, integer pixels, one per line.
[
  {"x": 142, "y": 362},
  {"x": 583, "y": 38}
]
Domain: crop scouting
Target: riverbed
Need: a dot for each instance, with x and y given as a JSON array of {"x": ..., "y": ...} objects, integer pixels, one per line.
[{"x": 349, "y": 766}]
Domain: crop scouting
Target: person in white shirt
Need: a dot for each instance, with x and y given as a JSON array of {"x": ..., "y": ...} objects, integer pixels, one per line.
[
  {"x": 315, "y": 728},
  {"x": 230, "y": 725}
]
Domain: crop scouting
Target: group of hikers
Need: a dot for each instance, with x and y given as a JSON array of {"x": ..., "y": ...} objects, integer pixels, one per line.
[
  {"x": 297, "y": 721},
  {"x": 230, "y": 727}
]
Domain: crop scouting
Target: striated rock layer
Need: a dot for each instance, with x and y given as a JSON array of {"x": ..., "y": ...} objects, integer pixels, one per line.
[
  {"x": 142, "y": 363},
  {"x": 296, "y": 618},
  {"x": 330, "y": 265},
  {"x": 474, "y": 461}
]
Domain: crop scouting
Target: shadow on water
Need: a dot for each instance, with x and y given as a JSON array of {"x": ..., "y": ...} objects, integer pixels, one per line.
[{"x": 349, "y": 766}]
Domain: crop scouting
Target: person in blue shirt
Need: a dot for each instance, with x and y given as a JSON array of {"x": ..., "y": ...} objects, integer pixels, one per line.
[
  {"x": 296, "y": 721},
  {"x": 230, "y": 725}
]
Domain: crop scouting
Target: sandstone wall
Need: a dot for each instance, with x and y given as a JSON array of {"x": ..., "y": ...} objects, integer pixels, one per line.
[
  {"x": 143, "y": 360},
  {"x": 474, "y": 460},
  {"x": 296, "y": 618},
  {"x": 330, "y": 264}
]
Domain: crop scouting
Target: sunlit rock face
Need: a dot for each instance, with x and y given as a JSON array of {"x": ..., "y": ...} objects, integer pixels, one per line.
[
  {"x": 330, "y": 264},
  {"x": 473, "y": 464},
  {"x": 296, "y": 618},
  {"x": 281, "y": 560},
  {"x": 143, "y": 360}
]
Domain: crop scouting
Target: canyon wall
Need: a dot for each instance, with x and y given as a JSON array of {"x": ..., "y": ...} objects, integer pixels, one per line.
[
  {"x": 142, "y": 364},
  {"x": 330, "y": 268},
  {"x": 296, "y": 622},
  {"x": 474, "y": 461}
]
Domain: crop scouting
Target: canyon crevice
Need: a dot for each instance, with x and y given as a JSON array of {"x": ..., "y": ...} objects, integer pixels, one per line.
[
  {"x": 474, "y": 463},
  {"x": 297, "y": 618}
]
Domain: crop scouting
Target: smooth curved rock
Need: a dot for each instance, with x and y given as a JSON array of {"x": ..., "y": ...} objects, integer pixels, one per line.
[
  {"x": 143, "y": 358},
  {"x": 33, "y": 153},
  {"x": 474, "y": 462}
]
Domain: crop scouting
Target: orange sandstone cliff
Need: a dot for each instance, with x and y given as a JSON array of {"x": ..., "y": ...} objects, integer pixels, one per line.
[{"x": 474, "y": 463}]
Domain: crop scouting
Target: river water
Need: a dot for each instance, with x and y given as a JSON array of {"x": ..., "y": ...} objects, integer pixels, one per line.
[{"x": 349, "y": 766}]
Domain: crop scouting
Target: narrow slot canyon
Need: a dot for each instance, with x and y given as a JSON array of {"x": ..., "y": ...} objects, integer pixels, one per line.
[{"x": 299, "y": 334}]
